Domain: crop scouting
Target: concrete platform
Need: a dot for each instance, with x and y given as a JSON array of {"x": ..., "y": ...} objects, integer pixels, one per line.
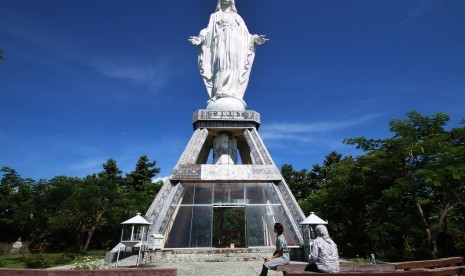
[
  {"x": 249, "y": 268},
  {"x": 211, "y": 255}
]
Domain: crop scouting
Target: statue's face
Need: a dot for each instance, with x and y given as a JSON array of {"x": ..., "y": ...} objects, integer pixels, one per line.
[{"x": 227, "y": 2}]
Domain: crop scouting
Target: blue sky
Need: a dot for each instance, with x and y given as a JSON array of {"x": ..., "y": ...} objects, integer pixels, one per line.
[{"x": 83, "y": 81}]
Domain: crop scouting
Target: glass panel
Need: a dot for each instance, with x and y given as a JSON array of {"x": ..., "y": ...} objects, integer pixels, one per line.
[
  {"x": 210, "y": 226},
  {"x": 188, "y": 194},
  {"x": 191, "y": 228},
  {"x": 259, "y": 193},
  {"x": 229, "y": 227},
  {"x": 201, "y": 227},
  {"x": 229, "y": 193},
  {"x": 180, "y": 232},
  {"x": 203, "y": 193},
  {"x": 127, "y": 232},
  {"x": 277, "y": 211},
  {"x": 140, "y": 233},
  {"x": 256, "y": 226}
]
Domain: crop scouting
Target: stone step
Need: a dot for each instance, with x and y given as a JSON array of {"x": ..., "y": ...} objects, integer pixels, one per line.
[{"x": 207, "y": 255}]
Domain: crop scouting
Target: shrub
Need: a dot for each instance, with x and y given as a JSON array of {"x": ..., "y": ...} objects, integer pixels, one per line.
[
  {"x": 65, "y": 258},
  {"x": 37, "y": 261}
]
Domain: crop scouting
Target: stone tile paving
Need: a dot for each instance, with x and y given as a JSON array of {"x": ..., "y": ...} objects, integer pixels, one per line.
[{"x": 249, "y": 268}]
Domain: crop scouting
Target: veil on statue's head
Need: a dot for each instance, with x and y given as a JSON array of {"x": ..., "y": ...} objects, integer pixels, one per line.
[{"x": 233, "y": 6}]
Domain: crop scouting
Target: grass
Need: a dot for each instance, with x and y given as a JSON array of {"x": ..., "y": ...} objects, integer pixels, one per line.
[
  {"x": 357, "y": 260},
  {"x": 12, "y": 261},
  {"x": 16, "y": 261}
]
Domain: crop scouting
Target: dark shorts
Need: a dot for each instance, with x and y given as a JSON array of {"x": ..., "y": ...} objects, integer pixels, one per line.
[{"x": 312, "y": 268}]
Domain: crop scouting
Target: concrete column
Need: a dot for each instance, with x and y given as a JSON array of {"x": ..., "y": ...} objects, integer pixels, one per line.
[{"x": 225, "y": 149}]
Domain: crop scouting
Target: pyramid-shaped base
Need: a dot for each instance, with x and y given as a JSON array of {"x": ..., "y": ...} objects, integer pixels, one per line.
[{"x": 224, "y": 205}]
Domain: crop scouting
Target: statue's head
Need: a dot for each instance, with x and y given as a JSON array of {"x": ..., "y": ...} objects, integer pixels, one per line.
[{"x": 231, "y": 3}]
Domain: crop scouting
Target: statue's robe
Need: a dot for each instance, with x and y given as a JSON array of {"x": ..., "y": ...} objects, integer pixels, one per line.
[{"x": 226, "y": 55}]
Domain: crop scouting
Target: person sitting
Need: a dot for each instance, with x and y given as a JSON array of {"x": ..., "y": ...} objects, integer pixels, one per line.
[
  {"x": 324, "y": 256},
  {"x": 280, "y": 255}
]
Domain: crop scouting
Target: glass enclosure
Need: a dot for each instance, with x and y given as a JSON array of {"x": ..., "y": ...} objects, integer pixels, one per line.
[
  {"x": 133, "y": 232},
  {"x": 221, "y": 214}
]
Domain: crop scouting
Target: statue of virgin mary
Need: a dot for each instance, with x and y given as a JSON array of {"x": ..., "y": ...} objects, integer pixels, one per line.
[{"x": 226, "y": 54}]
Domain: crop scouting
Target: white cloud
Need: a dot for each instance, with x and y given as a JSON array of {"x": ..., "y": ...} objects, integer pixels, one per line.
[
  {"x": 91, "y": 165},
  {"x": 152, "y": 75},
  {"x": 303, "y": 132},
  {"x": 163, "y": 179}
]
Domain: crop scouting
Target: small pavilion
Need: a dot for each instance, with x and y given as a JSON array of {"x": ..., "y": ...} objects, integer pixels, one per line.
[{"x": 308, "y": 231}]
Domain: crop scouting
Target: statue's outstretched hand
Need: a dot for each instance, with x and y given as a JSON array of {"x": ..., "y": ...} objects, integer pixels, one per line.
[
  {"x": 260, "y": 39},
  {"x": 195, "y": 40}
]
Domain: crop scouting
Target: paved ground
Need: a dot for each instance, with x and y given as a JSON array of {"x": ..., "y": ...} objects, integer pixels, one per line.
[{"x": 250, "y": 268}]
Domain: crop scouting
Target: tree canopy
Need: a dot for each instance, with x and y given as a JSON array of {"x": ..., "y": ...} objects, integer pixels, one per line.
[
  {"x": 403, "y": 197},
  {"x": 66, "y": 213}
]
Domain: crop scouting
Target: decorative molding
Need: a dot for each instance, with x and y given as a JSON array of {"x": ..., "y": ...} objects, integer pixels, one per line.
[
  {"x": 223, "y": 124},
  {"x": 160, "y": 206},
  {"x": 261, "y": 147},
  {"x": 186, "y": 172},
  {"x": 292, "y": 205},
  {"x": 239, "y": 172},
  {"x": 192, "y": 150},
  {"x": 254, "y": 151},
  {"x": 204, "y": 118},
  {"x": 226, "y": 172},
  {"x": 225, "y": 115}
]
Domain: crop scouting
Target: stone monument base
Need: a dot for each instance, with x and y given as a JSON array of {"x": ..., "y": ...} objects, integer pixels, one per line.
[{"x": 214, "y": 255}]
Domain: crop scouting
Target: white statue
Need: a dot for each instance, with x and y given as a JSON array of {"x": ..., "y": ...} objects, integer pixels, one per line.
[{"x": 226, "y": 54}]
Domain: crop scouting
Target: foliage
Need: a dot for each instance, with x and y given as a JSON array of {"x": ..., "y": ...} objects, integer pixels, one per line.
[
  {"x": 303, "y": 183},
  {"x": 403, "y": 198},
  {"x": 65, "y": 258},
  {"x": 38, "y": 261},
  {"x": 71, "y": 213}
]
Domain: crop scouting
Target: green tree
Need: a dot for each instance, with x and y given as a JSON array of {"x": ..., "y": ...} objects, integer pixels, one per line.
[
  {"x": 111, "y": 171},
  {"x": 419, "y": 172},
  {"x": 135, "y": 195},
  {"x": 341, "y": 199},
  {"x": 320, "y": 173},
  {"x": 68, "y": 212},
  {"x": 81, "y": 205},
  {"x": 64, "y": 215},
  {"x": 143, "y": 173},
  {"x": 99, "y": 194},
  {"x": 10, "y": 184},
  {"x": 298, "y": 181}
]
